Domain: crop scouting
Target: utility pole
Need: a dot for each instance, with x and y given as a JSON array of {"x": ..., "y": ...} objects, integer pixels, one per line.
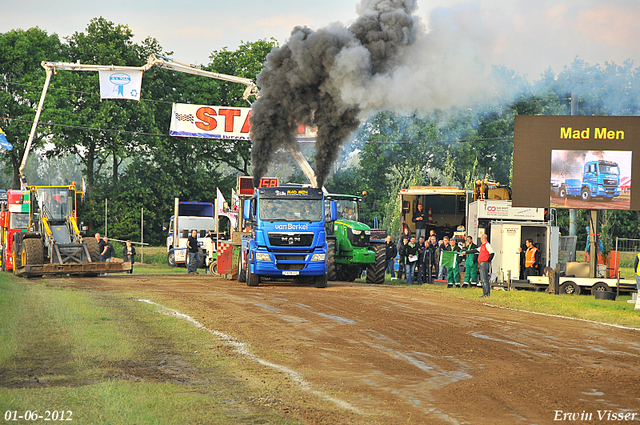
[{"x": 573, "y": 213}]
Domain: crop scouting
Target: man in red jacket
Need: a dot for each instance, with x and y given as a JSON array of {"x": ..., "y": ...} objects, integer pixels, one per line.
[{"x": 485, "y": 255}]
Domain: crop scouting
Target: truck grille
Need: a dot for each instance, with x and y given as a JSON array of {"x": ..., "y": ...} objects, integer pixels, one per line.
[
  {"x": 291, "y": 239},
  {"x": 290, "y": 266},
  {"x": 290, "y": 257},
  {"x": 610, "y": 181}
]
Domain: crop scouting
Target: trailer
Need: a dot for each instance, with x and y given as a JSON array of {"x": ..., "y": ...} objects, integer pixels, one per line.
[{"x": 571, "y": 285}]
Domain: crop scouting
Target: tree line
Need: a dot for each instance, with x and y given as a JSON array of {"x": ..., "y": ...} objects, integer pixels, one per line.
[{"x": 124, "y": 153}]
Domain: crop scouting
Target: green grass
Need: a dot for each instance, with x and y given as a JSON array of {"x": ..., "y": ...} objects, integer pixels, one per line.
[
  {"x": 584, "y": 307},
  {"x": 109, "y": 358}
]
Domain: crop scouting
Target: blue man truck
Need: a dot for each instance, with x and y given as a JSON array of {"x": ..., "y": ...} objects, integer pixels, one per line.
[
  {"x": 600, "y": 179},
  {"x": 288, "y": 237}
]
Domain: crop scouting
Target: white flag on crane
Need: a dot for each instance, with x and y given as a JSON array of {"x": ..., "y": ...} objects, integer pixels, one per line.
[{"x": 120, "y": 84}]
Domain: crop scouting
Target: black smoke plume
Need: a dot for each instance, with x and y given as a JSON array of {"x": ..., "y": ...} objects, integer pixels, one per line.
[{"x": 316, "y": 78}]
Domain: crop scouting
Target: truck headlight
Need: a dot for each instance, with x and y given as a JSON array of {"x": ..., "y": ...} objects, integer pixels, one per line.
[
  {"x": 356, "y": 232},
  {"x": 262, "y": 256},
  {"x": 318, "y": 257}
]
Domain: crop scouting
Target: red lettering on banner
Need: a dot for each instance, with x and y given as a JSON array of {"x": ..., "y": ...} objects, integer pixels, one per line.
[
  {"x": 229, "y": 115},
  {"x": 207, "y": 115},
  {"x": 246, "y": 127}
]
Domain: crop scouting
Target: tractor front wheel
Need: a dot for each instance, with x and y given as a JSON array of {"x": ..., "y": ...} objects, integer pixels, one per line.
[{"x": 375, "y": 271}]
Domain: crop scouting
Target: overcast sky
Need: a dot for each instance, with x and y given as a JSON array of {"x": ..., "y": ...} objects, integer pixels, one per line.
[{"x": 523, "y": 35}]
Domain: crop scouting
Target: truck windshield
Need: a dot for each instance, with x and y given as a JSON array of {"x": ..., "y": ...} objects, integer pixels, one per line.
[
  {"x": 54, "y": 202},
  {"x": 347, "y": 210},
  {"x": 609, "y": 169},
  {"x": 291, "y": 209}
]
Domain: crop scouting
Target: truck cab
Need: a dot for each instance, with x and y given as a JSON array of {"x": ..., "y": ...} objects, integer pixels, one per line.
[
  {"x": 288, "y": 236},
  {"x": 600, "y": 179},
  {"x": 189, "y": 216}
]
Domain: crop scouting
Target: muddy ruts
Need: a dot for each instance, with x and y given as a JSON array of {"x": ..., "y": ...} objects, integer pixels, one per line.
[{"x": 308, "y": 79}]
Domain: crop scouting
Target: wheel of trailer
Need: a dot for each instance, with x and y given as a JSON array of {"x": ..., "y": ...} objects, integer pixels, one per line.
[
  {"x": 375, "y": 271},
  {"x": 213, "y": 267},
  {"x": 171, "y": 258},
  {"x": 600, "y": 287},
  {"x": 585, "y": 195},
  {"x": 563, "y": 192},
  {"x": 348, "y": 274},
  {"x": 321, "y": 281},
  {"x": 331, "y": 260},
  {"x": 32, "y": 251},
  {"x": 94, "y": 249},
  {"x": 252, "y": 279},
  {"x": 570, "y": 288}
]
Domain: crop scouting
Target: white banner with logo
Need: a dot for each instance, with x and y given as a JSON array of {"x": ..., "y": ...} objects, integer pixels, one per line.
[
  {"x": 216, "y": 122},
  {"x": 120, "y": 84}
]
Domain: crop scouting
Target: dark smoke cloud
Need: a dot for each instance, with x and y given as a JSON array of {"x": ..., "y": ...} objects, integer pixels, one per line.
[{"x": 320, "y": 78}]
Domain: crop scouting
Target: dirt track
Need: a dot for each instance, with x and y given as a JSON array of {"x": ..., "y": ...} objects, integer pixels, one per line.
[{"x": 406, "y": 355}]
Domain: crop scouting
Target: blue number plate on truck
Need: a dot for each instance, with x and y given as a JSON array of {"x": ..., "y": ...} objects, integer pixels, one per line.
[{"x": 290, "y": 273}]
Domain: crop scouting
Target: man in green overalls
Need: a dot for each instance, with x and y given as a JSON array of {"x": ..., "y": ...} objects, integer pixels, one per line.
[
  {"x": 453, "y": 278},
  {"x": 470, "y": 264}
]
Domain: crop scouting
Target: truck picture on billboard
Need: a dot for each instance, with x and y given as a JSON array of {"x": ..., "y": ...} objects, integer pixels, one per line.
[{"x": 591, "y": 179}]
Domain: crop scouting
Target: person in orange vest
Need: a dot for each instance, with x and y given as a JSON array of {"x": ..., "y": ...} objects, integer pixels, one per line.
[{"x": 531, "y": 259}]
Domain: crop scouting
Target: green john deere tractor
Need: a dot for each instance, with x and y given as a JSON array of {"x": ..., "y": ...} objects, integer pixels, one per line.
[{"x": 353, "y": 246}]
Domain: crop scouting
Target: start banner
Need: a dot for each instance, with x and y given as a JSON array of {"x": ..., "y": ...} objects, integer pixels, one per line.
[{"x": 216, "y": 122}]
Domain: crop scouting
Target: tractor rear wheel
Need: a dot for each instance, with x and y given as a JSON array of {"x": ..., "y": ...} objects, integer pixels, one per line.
[
  {"x": 94, "y": 249},
  {"x": 32, "y": 251},
  {"x": 375, "y": 271},
  {"x": 331, "y": 260}
]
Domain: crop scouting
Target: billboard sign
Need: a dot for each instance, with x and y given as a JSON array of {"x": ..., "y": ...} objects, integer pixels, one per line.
[{"x": 583, "y": 162}]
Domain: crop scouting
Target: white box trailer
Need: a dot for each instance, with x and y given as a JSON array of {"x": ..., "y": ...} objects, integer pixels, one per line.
[
  {"x": 507, "y": 236},
  {"x": 508, "y": 228}
]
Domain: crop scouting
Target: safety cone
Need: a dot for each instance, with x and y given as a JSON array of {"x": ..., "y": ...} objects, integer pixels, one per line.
[{"x": 566, "y": 201}]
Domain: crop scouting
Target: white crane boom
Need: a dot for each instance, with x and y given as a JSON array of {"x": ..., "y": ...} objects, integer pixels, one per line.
[{"x": 161, "y": 62}]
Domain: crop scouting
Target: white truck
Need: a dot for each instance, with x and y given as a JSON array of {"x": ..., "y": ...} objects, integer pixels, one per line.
[{"x": 189, "y": 216}]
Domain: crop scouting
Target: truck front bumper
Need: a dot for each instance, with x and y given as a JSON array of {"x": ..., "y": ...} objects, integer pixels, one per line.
[{"x": 288, "y": 264}]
